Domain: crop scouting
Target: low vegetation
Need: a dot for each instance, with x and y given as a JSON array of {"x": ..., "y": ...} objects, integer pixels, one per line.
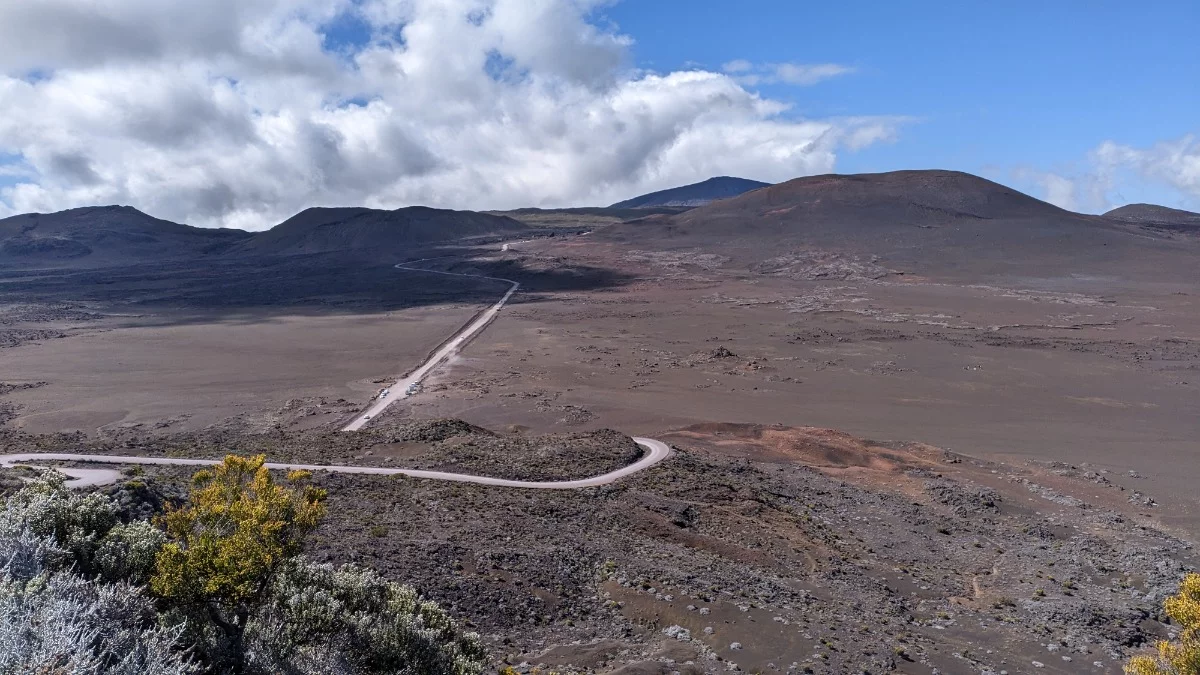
[
  {"x": 1181, "y": 656},
  {"x": 215, "y": 585}
]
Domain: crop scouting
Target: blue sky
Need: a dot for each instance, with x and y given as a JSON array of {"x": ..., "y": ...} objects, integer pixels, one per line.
[
  {"x": 994, "y": 87},
  {"x": 240, "y": 113}
]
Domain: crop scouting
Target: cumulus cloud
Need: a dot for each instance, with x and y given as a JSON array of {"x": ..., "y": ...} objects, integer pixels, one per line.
[
  {"x": 242, "y": 112},
  {"x": 1093, "y": 187},
  {"x": 1086, "y": 192},
  {"x": 1175, "y": 163}
]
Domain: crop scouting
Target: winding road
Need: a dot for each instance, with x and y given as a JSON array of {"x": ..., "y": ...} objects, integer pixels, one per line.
[{"x": 656, "y": 451}]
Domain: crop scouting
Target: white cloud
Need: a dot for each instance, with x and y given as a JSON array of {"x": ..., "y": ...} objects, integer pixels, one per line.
[
  {"x": 1085, "y": 192},
  {"x": 1175, "y": 163},
  {"x": 1094, "y": 186},
  {"x": 738, "y": 66},
  {"x": 236, "y": 112},
  {"x": 801, "y": 74},
  {"x": 805, "y": 74},
  {"x": 1060, "y": 191}
]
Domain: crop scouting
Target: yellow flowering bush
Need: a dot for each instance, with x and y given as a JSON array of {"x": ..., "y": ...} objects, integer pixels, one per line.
[
  {"x": 1183, "y": 656},
  {"x": 226, "y": 543}
]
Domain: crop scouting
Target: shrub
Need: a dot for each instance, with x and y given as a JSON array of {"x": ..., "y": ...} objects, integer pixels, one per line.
[
  {"x": 62, "y": 623},
  {"x": 128, "y": 552},
  {"x": 352, "y": 617},
  {"x": 227, "y": 543},
  {"x": 58, "y": 622},
  {"x": 75, "y": 522},
  {"x": 233, "y": 593},
  {"x": 1183, "y": 656}
]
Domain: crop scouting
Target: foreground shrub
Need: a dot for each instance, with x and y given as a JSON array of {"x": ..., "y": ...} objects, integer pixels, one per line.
[
  {"x": 1183, "y": 656},
  {"x": 129, "y": 552},
  {"x": 58, "y": 622},
  {"x": 232, "y": 594},
  {"x": 226, "y": 544},
  {"x": 354, "y": 621},
  {"x": 75, "y": 522},
  {"x": 62, "y": 623}
]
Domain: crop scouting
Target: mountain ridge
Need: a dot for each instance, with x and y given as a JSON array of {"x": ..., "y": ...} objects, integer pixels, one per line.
[
  {"x": 105, "y": 235},
  {"x": 98, "y": 236},
  {"x": 933, "y": 222},
  {"x": 695, "y": 194},
  {"x": 373, "y": 231}
]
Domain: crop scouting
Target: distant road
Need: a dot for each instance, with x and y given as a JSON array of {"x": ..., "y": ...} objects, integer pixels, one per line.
[
  {"x": 656, "y": 451},
  {"x": 400, "y": 389}
]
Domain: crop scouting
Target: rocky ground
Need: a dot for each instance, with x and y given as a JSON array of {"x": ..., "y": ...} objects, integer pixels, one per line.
[
  {"x": 8, "y": 409},
  {"x": 752, "y": 549}
]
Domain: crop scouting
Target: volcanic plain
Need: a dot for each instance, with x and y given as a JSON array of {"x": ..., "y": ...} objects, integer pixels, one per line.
[{"x": 922, "y": 423}]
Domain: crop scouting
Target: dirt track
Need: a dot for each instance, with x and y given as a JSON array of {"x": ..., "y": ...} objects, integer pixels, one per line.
[{"x": 656, "y": 451}]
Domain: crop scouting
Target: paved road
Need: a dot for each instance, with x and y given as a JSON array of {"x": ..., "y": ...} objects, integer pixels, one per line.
[
  {"x": 656, "y": 451},
  {"x": 399, "y": 390}
]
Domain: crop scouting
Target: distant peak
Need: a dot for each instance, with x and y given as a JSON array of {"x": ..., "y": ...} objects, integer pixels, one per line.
[
  {"x": 1153, "y": 214},
  {"x": 696, "y": 194}
]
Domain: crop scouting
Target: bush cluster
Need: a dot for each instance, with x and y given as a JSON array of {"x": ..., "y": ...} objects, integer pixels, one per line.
[{"x": 214, "y": 586}]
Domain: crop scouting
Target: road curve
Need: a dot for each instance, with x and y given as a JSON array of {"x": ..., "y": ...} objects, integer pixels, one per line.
[
  {"x": 656, "y": 451},
  {"x": 399, "y": 390}
]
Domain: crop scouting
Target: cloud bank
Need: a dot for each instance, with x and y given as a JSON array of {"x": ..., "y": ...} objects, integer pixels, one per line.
[
  {"x": 1094, "y": 189},
  {"x": 242, "y": 112},
  {"x": 1175, "y": 163}
]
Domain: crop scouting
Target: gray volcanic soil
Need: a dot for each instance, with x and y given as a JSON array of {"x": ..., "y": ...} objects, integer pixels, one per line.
[
  {"x": 185, "y": 345},
  {"x": 1070, "y": 369},
  {"x": 754, "y": 548}
]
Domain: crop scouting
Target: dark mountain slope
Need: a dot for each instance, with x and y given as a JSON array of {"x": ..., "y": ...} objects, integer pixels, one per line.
[
  {"x": 930, "y": 222},
  {"x": 1156, "y": 216},
  {"x": 104, "y": 235},
  {"x": 697, "y": 194},
  {"x": 372, "y": 233}
]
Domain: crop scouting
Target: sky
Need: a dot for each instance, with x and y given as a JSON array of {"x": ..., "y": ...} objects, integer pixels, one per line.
[{"x": 240, "y": 113}]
